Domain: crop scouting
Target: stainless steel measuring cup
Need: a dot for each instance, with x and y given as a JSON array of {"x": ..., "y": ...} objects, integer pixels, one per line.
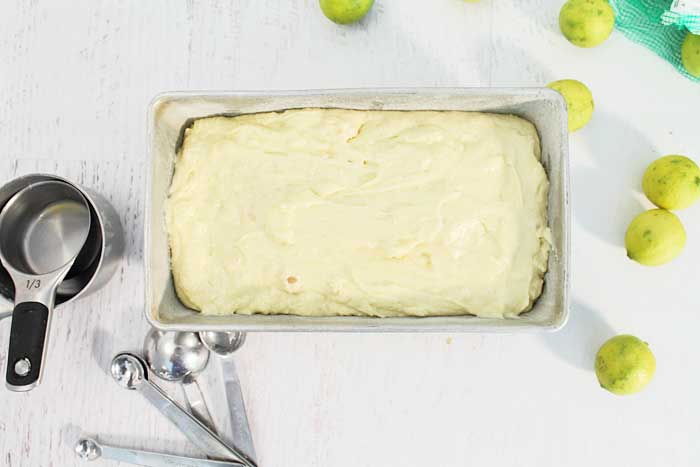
[
  {"x": 106, "y": 238},
  {"x": 43, "y": 229}
]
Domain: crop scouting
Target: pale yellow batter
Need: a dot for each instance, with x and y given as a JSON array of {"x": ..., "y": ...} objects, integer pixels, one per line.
[{"x": 338, "y": 212}]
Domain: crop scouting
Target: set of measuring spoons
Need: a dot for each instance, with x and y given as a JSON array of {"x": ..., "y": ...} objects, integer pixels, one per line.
[{"x": 180, "y": 357}]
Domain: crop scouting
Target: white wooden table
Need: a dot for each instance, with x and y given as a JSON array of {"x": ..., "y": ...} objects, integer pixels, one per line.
[{"x": 75, "y": 81}]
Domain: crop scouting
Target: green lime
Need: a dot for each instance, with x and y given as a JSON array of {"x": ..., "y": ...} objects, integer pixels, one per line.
[
  {"x": 586, "y": 23},
  {"x": 672, "y": 182},
  {"x": 690, "y": 54},
  {"x": 579, "y": 101},
  {"x": 345, "y": 11},
  {"x": 655, "y": 237},
  {"x": 624, "y": 365}
]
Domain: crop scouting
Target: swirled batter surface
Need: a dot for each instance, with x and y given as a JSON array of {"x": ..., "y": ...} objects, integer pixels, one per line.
[{"x": 339, "y": 212}]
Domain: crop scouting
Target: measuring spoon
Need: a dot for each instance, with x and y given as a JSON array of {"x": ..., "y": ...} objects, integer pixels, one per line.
[
  {"x": 89, "y": 449},
  {"x": 131, "y": 372},
  {"x": 180, "y": 357},
  {"x": 225, "y": 344}
]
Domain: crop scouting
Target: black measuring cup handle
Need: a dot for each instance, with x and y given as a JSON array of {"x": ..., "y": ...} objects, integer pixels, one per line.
[{"x": 30, "y": 322}]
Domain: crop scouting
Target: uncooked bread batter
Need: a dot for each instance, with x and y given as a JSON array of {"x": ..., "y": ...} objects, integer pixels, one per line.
[{"x": 339, "y": 212}]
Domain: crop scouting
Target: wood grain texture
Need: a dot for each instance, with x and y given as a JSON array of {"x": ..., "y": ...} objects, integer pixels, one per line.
[{"x": 75, "y": 83}]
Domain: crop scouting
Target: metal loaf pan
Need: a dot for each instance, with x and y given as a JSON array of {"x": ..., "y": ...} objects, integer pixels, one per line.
[{"x": 171, "y": 113}]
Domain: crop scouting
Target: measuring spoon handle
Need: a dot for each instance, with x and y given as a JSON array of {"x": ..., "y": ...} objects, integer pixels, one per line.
[
  {"x": 197, "y": 405},
  {"x": 193, "y": 429},
  {"x": 154, "y": 459},
  {"x": 242, "y": 438}
]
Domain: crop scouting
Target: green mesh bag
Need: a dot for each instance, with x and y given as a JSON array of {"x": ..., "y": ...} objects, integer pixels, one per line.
[{"x": 659, "y": 25}]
